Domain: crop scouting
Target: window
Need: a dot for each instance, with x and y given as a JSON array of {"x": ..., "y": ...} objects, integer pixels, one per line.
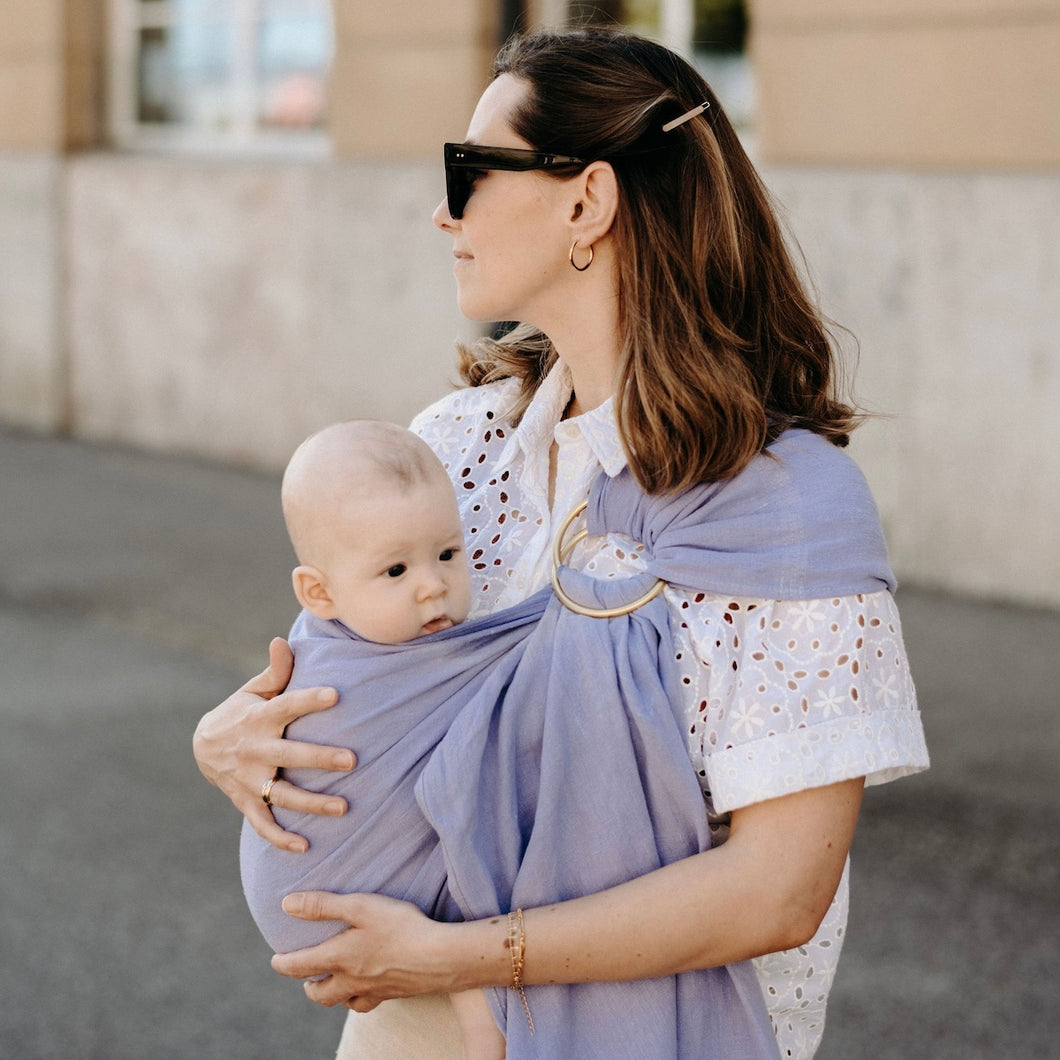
[
  {"x": 712, "y": 33},
  {"x": 720, "y": 53},
  {"x": 227, "y": 74}
]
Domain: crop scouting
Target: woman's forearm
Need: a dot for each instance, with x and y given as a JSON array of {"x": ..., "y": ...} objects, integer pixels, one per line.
[{"x": 766, "y": 889}]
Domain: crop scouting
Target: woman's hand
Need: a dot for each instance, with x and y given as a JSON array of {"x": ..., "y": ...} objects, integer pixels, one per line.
[
  {"x": 239, "y": 746},
  {"x": 391, "y": 949}
]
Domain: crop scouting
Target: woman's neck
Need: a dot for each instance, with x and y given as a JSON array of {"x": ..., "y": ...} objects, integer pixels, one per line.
[
  {"x": 584, "y": 330},
  {"x": 588, "y": 395},
  {"x": 591, "y": 357}
]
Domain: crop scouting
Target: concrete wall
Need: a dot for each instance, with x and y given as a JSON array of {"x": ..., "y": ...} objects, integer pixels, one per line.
[
  {"x": 949, "y": 281},
  {"x": 32, "y": 370},
  {"x": 159, "y": 300},
  {"x": 917, "y": 146},
  {"x": 228, "y": 309}
]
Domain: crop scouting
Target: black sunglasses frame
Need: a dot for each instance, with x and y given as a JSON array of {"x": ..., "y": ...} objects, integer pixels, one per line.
[{"x": 462, "y": 161}]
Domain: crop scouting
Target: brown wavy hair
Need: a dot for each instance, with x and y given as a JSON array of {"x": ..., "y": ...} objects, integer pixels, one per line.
[{"x": 722, "y": 349}]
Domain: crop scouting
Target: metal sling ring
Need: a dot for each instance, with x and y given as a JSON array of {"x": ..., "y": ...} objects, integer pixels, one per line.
[{"x": 560, "y": 554}]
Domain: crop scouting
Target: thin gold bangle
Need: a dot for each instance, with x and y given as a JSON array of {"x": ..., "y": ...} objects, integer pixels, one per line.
[
  {"x": 517, "y": 952},
  {"x": 561, "y": 552}
]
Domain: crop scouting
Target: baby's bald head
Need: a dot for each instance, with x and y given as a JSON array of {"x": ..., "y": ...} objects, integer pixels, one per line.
[{"x": 335, "y": 467}]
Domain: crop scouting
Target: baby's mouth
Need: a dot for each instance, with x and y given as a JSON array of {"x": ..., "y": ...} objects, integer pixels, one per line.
[{"x": 436, "y": 625}]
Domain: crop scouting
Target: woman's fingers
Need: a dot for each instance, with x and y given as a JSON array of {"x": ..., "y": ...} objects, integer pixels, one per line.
[
  {"x": 278, "y": 711},
  {"x": 239, "y": 747},
  {"x": 286, "y": 754},
  {"x": 299, "y": 800},
  {"x": 262, "y": 821},
  {"x": 360, "y": 1004},
  {"x": 274, "y": 678},
  {"x": 335, "y": 990},
  {"x": 293, "y": 754},
  {"x": 319, "y": 905},
  {"x": 353, "y": 968}
]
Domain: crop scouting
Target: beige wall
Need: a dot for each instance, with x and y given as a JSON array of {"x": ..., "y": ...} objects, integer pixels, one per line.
[
  {"x": 85, "y": 64},
  {"x": 405, "y": 78},
  {"x": 51, "y": 74},
  {"x": 31, "y": 74},
  {"x": 926, "y": 83},
  {"x": 407, "y": 74}
]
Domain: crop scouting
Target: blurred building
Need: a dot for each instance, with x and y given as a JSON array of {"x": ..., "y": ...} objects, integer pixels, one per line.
[{"x": 215, "y": 234}]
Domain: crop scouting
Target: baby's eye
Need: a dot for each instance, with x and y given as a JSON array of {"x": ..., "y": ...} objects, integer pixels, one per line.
[
  {"x": 396, "y": 571},
  {"x": 448, "y": 554}
]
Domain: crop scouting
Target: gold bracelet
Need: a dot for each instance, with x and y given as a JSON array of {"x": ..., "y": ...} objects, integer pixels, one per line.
[{"x": 517, "y": 949}]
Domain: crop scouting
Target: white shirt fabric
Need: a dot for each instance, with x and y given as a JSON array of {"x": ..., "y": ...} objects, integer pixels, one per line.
[{"x": 782, "y": 696}]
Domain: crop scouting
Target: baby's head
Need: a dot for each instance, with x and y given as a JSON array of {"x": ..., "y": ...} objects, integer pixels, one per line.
[{"x": 373, "y": 520}]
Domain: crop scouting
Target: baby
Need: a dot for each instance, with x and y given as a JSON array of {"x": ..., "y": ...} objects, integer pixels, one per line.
[{"x": 374, "y": 523}]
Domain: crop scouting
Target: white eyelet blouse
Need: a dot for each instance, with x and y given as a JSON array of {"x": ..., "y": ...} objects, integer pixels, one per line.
[{"x": 782, "y": 695}]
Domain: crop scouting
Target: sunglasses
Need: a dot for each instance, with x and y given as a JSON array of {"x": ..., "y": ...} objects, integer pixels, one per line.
[{"x": 465, "y": 162}]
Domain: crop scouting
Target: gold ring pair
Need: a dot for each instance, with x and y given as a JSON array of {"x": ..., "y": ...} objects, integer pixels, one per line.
[
  {"x": 266, "y": 790},
  {"x": 561, "y": 550}
]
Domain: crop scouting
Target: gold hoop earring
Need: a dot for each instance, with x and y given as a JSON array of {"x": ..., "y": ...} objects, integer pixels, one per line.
[{"x": 592, "y": 254}]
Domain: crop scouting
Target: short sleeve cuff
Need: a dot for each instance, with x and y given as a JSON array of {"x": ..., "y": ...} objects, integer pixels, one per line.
[{"x": 880, "y": 746}]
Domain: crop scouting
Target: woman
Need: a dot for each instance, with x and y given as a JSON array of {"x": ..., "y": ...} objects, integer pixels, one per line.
[{"x": 663, "y": 326}]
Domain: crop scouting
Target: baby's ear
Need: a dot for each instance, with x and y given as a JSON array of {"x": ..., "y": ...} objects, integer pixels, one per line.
[{"x": 312, "y": 592}]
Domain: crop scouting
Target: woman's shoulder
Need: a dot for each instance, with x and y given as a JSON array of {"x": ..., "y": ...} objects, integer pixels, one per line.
[
  {"x": 490, "y": 402},
  {"x": 800, "y": 460},
  {"x": 466, "y": 424},
  {"x": 798, "y": 522},
  {"x": 805, "y": 480}
]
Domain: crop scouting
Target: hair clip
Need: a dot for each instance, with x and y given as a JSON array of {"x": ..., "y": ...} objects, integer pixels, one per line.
[{"x": 687, "y": 116}]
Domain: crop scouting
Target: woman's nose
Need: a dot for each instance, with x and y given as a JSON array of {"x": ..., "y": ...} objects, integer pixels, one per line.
[{"x": 441, "y": 217}]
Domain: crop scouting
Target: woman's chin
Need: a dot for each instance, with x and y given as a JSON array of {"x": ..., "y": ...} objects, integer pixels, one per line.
[{"x": 475, "y": 309}]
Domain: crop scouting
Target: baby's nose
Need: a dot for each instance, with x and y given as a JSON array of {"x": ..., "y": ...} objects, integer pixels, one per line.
[{"x": 432, "y": 586}]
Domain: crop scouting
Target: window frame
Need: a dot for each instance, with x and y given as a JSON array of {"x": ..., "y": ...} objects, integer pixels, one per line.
[{"x": 127, "y": 18}]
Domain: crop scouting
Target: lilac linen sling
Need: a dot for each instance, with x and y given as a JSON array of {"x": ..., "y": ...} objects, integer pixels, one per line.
[
  {"x": 799, "y": 523},
  {"x": 576, "y": 777},
  {"x": 396, "y": 702},
  {"x": 563, "y": 769}
]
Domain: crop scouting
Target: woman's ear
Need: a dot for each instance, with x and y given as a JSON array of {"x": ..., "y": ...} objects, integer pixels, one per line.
[
  {"x": 311, "y": 590},
  {"x": 593, "y": 212}
]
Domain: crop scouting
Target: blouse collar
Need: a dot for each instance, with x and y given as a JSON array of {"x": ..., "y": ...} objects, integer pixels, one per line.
[{"x": 543, "y": 421}]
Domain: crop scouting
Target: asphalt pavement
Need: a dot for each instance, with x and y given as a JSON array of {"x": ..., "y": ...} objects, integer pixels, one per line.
[{"x": 136, "y": 591}]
